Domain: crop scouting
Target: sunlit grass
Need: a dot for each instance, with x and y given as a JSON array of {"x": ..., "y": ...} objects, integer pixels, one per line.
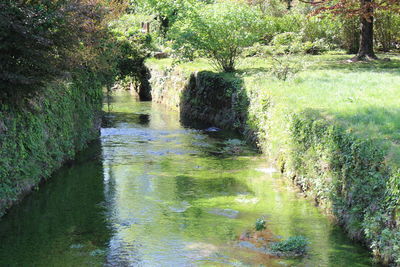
[{"x": 363, "y": 97}]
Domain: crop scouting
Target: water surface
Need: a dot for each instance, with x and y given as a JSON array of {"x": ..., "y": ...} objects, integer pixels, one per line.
[{"x": 151, "y": 192}]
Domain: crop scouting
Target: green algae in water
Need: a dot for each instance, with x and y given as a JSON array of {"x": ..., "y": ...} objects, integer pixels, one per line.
[{"x": 153, "y": 193}]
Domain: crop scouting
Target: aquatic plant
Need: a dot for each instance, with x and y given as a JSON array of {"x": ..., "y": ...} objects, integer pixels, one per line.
[
  {"x": 293, "y": 246},
  {"x": 260, "y": 224}
]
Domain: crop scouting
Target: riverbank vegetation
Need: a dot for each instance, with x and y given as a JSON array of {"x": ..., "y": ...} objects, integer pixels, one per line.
[
  {"x": 56, "y": 59},
  {"x": 331, "y": 128},
  {"x": 314, "y": 83},
  {"x": 314, "y": 96}
]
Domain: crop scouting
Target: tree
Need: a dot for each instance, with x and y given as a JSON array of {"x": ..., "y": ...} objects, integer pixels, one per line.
[
  {"x": 219, "y": 32},
  {"x": 365, "y": 10},
  {"x": 166, "y": 11},
  {"x": 41, "y": 40}
]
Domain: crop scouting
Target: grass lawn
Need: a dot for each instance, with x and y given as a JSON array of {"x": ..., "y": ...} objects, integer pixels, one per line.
[{"x": 364, "y": 97}]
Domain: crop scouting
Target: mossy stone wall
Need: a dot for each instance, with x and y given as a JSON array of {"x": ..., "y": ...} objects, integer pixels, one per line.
[{"x": 39, "y": 133}]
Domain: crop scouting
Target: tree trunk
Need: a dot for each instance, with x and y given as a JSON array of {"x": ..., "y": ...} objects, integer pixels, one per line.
[{"x": 366, "y": 50}]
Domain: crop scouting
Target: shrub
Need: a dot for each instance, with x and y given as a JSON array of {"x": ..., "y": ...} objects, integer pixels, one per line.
[
  {"x": 260, "y": 224},
  {"x": 285, "y": 66},
  {"x": 258, "y": 50},
  {"x": 277, "y": 25},
  {"x": 219, "y": 31},
  {"x": 350, "y": 35},
  {"x": 131, "y": 46},
  {"x": 387, "y": 30},
  {"x": 295, "y": 245},
  {"x": 322, "y": 28}
]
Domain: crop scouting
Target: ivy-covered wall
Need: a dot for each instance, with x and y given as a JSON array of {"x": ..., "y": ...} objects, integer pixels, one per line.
[
  {"x": 347, "y": 175},
  {"x": 38, "y": 134}
]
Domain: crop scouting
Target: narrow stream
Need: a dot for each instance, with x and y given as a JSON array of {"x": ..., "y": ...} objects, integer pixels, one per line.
[{"x": 151, "y": 192}]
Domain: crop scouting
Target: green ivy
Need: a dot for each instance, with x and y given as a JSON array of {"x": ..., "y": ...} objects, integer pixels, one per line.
[{"x": 38, "y": 135}]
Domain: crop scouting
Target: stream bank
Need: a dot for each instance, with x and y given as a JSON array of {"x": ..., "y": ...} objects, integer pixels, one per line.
[
  {"x": 39, "y": 134},
  {"x": 151, "y": 192},
  {"x": 348, "y": 176}
]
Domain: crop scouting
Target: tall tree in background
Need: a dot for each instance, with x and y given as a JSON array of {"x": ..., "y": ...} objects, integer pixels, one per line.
[{"x": 365, "y": 10}]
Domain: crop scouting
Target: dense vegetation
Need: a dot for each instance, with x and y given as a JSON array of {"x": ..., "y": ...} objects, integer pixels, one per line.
[
  {"x": 329, "y": 123},
  {"x": 56, "y": 58},
  {"x": 219, "y": 30}
]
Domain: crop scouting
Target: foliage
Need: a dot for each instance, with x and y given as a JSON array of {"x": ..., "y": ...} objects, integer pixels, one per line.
[
  {"x": 131, "y": 46},
  {"x": 219, "y": 31},
  {"x": 260, "y": 224},
  {"x": 166, "y": 11},
  {"x": 350, "y": 34},
  {"x": 66, "y": 35},
  {"x": 338, "y": 144},
  {"x": 285, "y": 66},
  {"x": 39, "y": 134},
  {"x": 296, "y": 245},
  {"x": 353, "y": 7},
  {"x": 387, "y": 30}
]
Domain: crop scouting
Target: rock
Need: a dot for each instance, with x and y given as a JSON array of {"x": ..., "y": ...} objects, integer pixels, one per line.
[
  {"x": 232, "y": 214},
  {"x": 251, "y": 246},
  {"x": 160, "y": 55},
  {"x": 212, "y": 129},
  {"x": 245, "y": 235},
  {"x": 180, "y": 207}
]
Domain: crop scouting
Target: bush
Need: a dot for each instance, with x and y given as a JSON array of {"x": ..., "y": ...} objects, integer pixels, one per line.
[
  {"x": 387, "y": 30},
  {"x": 285, "y": 66},
  {"x": 131, "y": 46},
  {"x": 258, "y": 50},
  {"x": 277, "y": 25},
  {"x": 322, "y": 28},
  {"x": 350, "y": 35},
  {"x": 293, "y": 246},
  {"x": 219, "y": 31},
  {"x": 260, "y": 224}
]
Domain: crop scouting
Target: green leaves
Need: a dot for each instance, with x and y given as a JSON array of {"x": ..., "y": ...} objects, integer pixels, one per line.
[
  {"x": 219, "y": 31},
  {"x": 294, "y": 245}
]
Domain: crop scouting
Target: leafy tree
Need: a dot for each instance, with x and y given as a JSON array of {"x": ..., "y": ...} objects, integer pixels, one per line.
[
  {"x": 365, "y": 10},
  {"x": 131, "y": 46},
  {"x": 41, "y": 40},
  {"x": 166, "y": 11},
  {"x": 220, "y": 32}
]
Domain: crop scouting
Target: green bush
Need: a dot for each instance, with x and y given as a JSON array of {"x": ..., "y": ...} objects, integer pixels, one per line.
[
  {"x": 260, "y": 224},
  {"x": 350, "y": 35},
  {"x": 131, "y": 46},
  {"x": 387, "y": 30},
  {"x": 285, "y": 66},
  {"x": 273, "y": 25},
  {"x": 293, "y": 246},
  {"x": 258, "y": 50},
  {"x": 219, "y": 31},
  {"x": 326, "y": 28}
]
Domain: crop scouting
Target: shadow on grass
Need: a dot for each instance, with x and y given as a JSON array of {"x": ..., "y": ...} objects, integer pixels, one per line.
[{"x": 381, "y": 65}]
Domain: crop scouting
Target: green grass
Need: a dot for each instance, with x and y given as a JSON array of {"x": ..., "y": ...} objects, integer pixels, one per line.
[{"x": 364, "y": 97}]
